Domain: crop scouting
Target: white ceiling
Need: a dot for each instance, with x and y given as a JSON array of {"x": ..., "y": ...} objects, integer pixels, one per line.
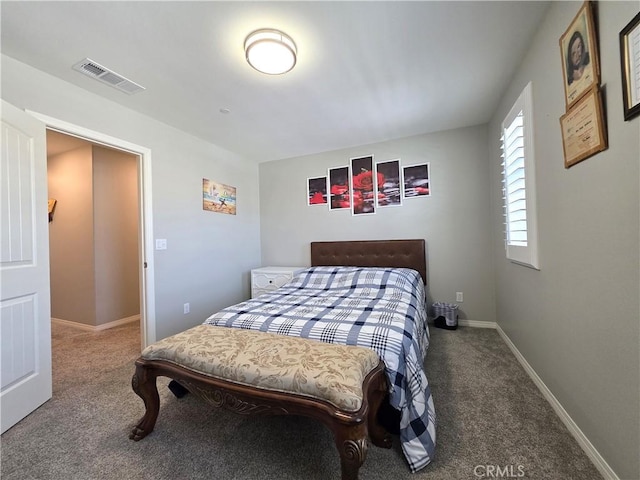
[{"x": 366, "y": 72}]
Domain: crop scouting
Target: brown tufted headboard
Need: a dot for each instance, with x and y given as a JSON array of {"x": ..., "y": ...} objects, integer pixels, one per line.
[{"x": 372, "y": 253}]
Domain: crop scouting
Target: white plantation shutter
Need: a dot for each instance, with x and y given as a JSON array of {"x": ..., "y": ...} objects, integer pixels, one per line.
[
  {"x": 513, "y": 189},
  {"x": 518, "y": 182}
]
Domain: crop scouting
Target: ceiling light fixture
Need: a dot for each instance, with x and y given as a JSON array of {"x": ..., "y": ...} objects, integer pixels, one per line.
[{"x": 270, "y": 51}]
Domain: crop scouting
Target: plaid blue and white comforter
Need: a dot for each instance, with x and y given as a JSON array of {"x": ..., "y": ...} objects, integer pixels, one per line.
[{"x": 380, "y": 308}]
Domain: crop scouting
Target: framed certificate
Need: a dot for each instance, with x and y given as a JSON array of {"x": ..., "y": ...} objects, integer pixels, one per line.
[
  {"x": 630, "y": 61},
  {"x": 583, "y": 130}
]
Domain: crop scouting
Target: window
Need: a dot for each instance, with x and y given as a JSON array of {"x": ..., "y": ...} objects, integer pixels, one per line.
[{"x": 518, "y": 182}]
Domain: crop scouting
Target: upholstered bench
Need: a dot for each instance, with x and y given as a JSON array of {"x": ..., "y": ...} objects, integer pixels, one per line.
[{"x": 252, "y": 372}]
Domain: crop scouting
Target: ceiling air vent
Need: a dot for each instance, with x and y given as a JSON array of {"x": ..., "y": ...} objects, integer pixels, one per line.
[{"x": 97, "y": 71}]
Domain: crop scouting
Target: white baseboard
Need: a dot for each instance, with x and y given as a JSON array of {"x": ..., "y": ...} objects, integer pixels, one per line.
[
  {"x": 471, "y": 323},
  {"x": 97, "y": 328},
  {"x": 599, "y": 462},
  {"x": 476, "y": 324}
]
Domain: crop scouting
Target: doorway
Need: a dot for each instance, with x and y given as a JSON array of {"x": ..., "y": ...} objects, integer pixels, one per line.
[
  {"x": 145, "y": 226},
  {"x": 93, "y": 233}
]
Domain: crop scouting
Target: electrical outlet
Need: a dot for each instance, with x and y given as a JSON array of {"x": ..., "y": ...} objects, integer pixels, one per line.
[
  {"x": 186, "y": 308},
  {"x": 459, "y": 297}
]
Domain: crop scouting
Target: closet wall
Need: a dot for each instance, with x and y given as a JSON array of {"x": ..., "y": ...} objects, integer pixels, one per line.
[{"x": 94, "y": 235}]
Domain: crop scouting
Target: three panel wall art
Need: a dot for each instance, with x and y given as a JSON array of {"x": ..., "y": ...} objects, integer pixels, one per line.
[{"x": 364, "y": 186}]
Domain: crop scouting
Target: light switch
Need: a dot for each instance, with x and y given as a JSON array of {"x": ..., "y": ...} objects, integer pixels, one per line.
[{"x": 161, "y": 243}]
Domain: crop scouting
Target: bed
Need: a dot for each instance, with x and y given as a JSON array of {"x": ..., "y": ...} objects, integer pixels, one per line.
[{"x": 365, "y": 293}]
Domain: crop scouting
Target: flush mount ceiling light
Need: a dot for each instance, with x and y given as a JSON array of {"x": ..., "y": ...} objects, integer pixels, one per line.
[{"x": 270, "y": 51}]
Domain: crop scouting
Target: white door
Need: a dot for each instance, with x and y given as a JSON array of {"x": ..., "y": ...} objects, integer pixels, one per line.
[{"x": 25, "y": 305}]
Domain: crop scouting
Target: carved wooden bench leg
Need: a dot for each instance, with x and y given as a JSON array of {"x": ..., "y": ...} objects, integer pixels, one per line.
[
  {"x": 144, "y": 384},
  {"x": 351, "y": 443}
]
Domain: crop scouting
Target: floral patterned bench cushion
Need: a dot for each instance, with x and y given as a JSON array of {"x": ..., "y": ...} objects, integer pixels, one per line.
[{"x": 330, "y": 372}]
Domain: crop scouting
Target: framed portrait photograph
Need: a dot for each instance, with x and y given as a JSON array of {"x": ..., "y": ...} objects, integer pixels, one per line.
[
  {"x": 363, "y": 186},
  {"x": 389, "y": 184},
  {"x": 579, "y": 50},
  {"x": 317, "y": 191},
  {"x": 415, "y": 179},
  {"x": 339, "y": 193},
  {"x": 583, "y": 129},
  {"x": 630, "y": 61}
]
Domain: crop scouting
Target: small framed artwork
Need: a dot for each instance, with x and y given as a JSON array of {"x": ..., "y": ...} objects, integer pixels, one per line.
[
  {"x": 630, "y": 60},
  {"x": 415, "y": 179},
  {"x": 583, "y": 129},
  {"x": 317, "y": 191},
  {"x": 363, "y": 186},
  {"x": 217, "y": 197},
  {"x": 389, "y": 184},
  {"x": 579, "y": 50}
]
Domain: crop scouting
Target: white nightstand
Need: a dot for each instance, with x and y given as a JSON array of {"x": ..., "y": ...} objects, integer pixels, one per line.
[{"x": 267, "y": 279}]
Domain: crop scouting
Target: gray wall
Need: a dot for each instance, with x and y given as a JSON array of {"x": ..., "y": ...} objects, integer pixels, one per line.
[
  {"x": 209, "y": 255},
  {"x": 576, "y": 321},
  {"x": 454, "y": 220}
]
